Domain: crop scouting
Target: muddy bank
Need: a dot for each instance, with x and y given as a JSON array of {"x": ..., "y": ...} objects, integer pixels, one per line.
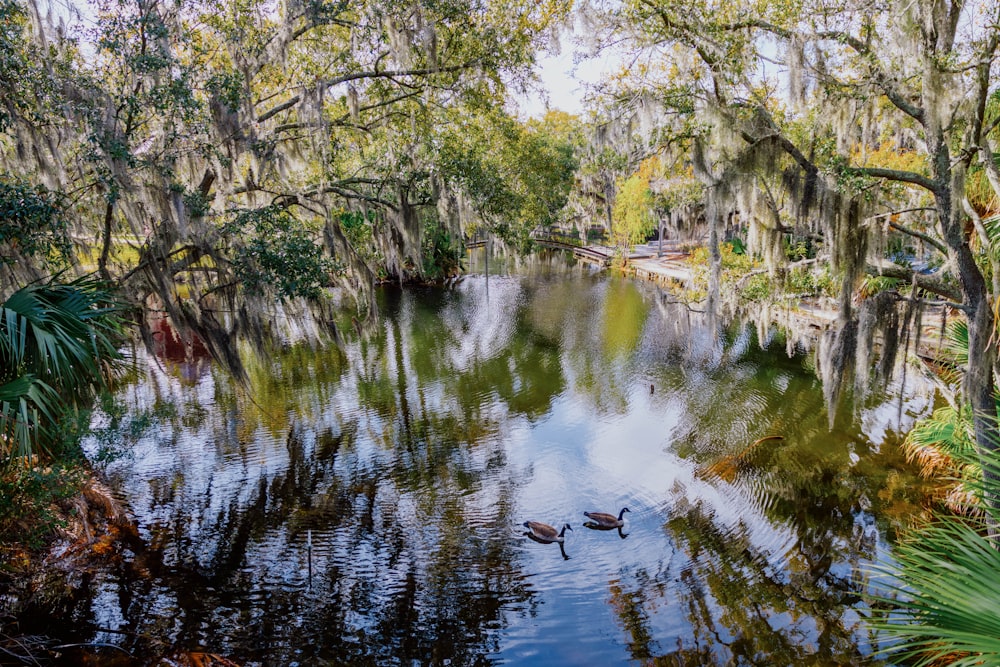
[{"x": 94, "y": 531}]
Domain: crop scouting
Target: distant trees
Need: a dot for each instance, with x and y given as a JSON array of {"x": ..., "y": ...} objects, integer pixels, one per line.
[{"x": 509, "y": 177}]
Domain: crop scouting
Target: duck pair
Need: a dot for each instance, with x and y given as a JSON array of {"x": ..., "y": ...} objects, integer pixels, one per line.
[{"x": 601, "y": 520}]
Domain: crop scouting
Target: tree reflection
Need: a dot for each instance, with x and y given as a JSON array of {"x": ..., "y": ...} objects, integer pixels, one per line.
[
  {"x": 785, "y": 581},
  {"x": 395, "y": 454},
  {"x": 411, "y": 556},
  {"x": 794, "y": 617}
]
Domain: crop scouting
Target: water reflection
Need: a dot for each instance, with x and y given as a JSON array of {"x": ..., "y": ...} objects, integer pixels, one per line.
[{"x": 410, "y": 459}]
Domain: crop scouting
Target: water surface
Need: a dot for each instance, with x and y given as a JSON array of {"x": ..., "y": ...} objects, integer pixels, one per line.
[{"x": 364, "y": 505}]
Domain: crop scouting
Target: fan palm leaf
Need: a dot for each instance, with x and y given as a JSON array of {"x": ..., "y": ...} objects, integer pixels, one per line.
[
  {"x": 941, "y": 597},
  {"x": 58, "y": 343},
  {"x": 936, "y": 441},
  {"x": 27, "y": 406}
]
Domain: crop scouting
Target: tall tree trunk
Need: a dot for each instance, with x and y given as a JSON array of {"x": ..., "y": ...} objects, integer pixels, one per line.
[
  {"x": 979, "y": 385},
  {"x": 102, "y": 262}
]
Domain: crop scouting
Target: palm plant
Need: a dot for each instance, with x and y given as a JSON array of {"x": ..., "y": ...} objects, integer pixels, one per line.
[
  {"x": 58, "y": 347},
  {"x": 943, "y": 444},
  {"x": 941, "y": 598},
  {"x": 941, "y": 604}
]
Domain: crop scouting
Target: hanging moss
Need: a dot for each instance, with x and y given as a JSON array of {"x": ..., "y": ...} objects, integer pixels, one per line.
[
  {"x": 835, "y": 362},
  {"x": 878, "y": 338}
]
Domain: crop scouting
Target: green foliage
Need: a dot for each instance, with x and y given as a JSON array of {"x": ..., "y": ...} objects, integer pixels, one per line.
[
  {"x": 757, "y": 289},
  {"x": 946, "y": 439},
  {"x": 359, "y": 228},
  {"x": 274, "y": 252},
  {"x": 31, "y": 221},
  {"x": 872, "y": 285},
  {"x": 738, "y": 272},
  {"x": 941, "y": 599},
  {"x": 517, "y": 176},
  {"x": 948, "y": 430},
  {"x": 442, "y": 256},
  {"x": 27, "y": 498},
  {"x": 799, "y": 249},
  {"x": 732, "y": 261},
  {"x": 805, "y": 281},
  {"x": 58, "y": 349},
  {"x": 196, "y": 203},
  {"x": 25, "y": 86},
  {"x": 956, "y": 348},
  {"x": 227, "y": 86}
]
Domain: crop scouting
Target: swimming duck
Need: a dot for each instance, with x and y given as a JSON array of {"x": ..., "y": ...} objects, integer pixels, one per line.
[
  {"x": 545, "y": 532},
  {"x": 604, "y": 520}
]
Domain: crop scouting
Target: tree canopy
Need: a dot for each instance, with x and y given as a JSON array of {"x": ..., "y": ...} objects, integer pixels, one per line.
[
  {"x": 855, "y": 128},
  {"x": 212, "y": 156}
]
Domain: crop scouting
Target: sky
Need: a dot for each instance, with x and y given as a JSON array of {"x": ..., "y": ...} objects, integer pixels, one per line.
[
  {"x": 564, "y": 90},
  {"x": 565, "y": 82}
]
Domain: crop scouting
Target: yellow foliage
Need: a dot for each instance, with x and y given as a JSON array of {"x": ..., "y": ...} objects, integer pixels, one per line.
[
  {"x": 981, "y": 194},
  {"x": 650, "y": 168},
  {"x": 633, "y": 215},
  {"x": 888, "y": 157}
]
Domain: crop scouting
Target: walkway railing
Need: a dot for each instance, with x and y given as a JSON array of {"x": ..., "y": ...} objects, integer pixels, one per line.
[{"x": 600, "y": 254}]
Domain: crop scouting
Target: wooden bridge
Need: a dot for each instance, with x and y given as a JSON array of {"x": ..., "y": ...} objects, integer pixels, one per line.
[
  {"x": 598, "y": 254},
  {"x": 650, "y": 261}
]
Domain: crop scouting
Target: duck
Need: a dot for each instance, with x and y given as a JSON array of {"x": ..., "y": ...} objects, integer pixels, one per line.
[
  {"x": 546, "y": 533},
  {"x": 605, "y": 520}
]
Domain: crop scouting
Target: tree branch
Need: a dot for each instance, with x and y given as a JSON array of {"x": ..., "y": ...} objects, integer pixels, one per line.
[
  {"x": 861, "y": 48},
  {"x": 937, "y": 245},
  {"x": 898, "y": 175},
  {"x": 373, "y": 74},
  {"x": 929, "y": 283}
]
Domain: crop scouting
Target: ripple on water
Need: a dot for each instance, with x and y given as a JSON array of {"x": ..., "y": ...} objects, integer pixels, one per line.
[{"x": 416, "y": 466}]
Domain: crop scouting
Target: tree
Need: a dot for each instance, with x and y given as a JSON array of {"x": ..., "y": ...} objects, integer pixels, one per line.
[
  {"x": 633, "y": 218},
  {"x": 805, "y": 153},
  {"x": 205, "y": 142},
  {"x": 513, "y": 176}
]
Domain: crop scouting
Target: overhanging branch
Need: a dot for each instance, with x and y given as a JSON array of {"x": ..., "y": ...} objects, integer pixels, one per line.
[
  {"x": 897, "y": 175},
  {"x": 372, "y": 74},
  {"x": 929, "y": 283}
]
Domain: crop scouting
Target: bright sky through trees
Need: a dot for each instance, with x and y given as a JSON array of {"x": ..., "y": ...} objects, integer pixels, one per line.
[
  {"x": 564, "y": 89},
  {"x": 566, "y": 82}
]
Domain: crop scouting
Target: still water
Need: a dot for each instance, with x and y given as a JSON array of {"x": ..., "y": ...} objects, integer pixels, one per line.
[{"x": 364, "y": 506}]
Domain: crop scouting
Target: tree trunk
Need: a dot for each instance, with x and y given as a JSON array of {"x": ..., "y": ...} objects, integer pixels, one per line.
[
  {"x": 979, "y": 384},
  {"x": 102, "y": 262}
]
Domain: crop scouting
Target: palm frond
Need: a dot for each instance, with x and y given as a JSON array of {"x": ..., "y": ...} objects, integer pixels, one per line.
[
  {"x": 937, "y": 441},
  {"x": 956, "y": 340},
  {"x": 941, "y": 599},
  {"x": 27, "y": 405},
  {"x": 60, "y": 332},
  {"x": 57, "y": 344},
  {"x": 872, "y": 285}
]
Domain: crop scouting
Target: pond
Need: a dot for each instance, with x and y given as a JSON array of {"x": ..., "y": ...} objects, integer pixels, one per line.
[{"x": 365, "y": 505}]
